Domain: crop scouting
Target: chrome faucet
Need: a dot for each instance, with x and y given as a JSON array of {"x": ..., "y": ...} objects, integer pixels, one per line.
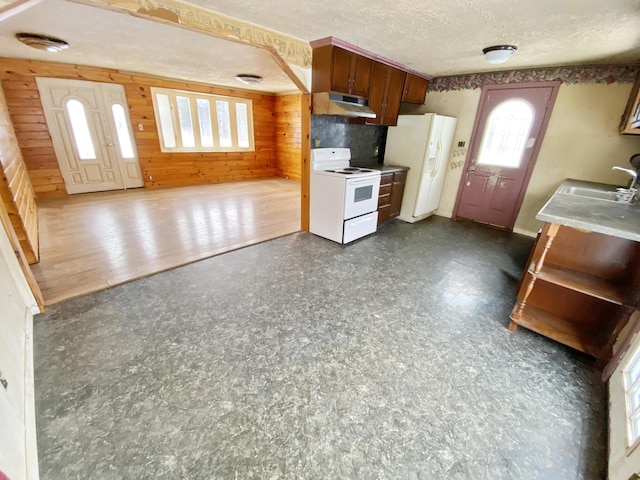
[{"x": 628, "y": 194}]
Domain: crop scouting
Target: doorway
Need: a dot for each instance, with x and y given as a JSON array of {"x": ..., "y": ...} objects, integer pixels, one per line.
[
  {"x": 91, "y": 134},
  {"x": 505, "y": 142}
]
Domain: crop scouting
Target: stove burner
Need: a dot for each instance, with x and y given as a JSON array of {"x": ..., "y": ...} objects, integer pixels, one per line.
[
  {"x": 351, "y": 169},
  {"x": 330, "y": 171}
]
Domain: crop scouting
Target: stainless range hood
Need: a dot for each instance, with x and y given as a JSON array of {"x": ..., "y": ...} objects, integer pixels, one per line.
[{"x": 327, "y": 103}]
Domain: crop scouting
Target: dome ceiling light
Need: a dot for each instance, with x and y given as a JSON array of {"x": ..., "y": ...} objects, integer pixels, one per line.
[
  {"x": 42, "y": 42},
  {"x": 499, "y": 53},
  {"x": 248, "y": 78}
]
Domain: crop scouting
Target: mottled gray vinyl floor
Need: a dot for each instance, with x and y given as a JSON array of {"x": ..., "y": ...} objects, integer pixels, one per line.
[{"x": 303, "y": 359}]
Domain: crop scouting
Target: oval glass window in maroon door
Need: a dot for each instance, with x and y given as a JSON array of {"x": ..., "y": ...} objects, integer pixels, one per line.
[{"x": 506, "y": 138}]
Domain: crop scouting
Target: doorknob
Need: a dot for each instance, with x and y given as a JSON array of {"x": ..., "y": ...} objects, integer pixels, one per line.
[{"x": 466, "y": 175}]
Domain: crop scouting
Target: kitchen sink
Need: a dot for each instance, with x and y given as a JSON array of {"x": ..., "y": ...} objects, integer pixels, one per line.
[{"x": 597, "y": 193}]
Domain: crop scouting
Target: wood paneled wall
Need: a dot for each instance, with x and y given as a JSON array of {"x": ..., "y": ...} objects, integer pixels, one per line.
[
  {"x": 288, "y": 129},
  {"x": 165, "y": 169},
  {"x": 16, "y": 190}
]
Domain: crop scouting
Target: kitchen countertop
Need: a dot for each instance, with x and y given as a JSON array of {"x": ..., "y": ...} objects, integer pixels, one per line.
[
  {"x": 378, "y": 166},
  {"x": 601, "y": 216}
]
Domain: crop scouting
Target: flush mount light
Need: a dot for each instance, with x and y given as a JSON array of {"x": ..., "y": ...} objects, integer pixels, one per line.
[
  {"x": 248, "y": 78},
  {"x": 42, "y": 42},
  {"x": 499, "y": 53}
]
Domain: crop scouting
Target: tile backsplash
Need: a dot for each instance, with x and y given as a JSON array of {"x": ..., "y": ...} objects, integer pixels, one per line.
[{"x": 365, "y": 141}]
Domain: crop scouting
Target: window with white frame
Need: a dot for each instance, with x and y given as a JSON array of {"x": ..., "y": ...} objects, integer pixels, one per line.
[
  {"x": 631, "y": 378},
  {"x": 199, "y": 122}
]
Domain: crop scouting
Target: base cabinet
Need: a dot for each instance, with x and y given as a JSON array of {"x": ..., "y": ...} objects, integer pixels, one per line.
[
  {"x": 579, "y": 288},
  {"x": 390, "y": 197}
]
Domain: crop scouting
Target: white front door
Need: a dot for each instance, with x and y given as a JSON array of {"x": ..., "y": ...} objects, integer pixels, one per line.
[{"x": 91, "y": 133}]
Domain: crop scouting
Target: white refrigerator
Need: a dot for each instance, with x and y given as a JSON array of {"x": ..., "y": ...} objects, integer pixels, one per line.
[{"x": 422, "y": 143}]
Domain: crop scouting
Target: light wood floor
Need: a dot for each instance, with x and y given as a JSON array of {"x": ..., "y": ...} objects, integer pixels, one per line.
[{"x": 93, "y": 241}]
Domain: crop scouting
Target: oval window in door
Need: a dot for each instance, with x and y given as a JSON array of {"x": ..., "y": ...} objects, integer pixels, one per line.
[
  {"x": 122, "y": 129},
  {"x": 506, "y": 134},
  {"x": 80, "y": 129}
]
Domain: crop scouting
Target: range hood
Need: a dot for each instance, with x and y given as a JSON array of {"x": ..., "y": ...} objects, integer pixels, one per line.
[{"x": 327, "y": 103}]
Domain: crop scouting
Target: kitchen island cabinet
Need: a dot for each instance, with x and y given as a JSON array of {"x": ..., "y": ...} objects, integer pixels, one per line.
[
  {"x": 583, "y": 278},
  {"x": 392, "y": 182}
]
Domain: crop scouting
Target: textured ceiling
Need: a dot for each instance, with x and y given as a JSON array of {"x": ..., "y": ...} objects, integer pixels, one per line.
[
  {"x": 435, "y": 37},
  {"x": 103, "y": 38},
  {"x": 447, "y": 37}
]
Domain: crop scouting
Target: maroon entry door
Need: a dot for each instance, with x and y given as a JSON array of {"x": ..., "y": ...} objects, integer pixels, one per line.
[{"x": 506, "y": 138}]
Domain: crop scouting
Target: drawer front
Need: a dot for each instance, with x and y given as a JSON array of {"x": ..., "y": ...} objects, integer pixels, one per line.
[
  {"x": 385, "y": 189},
  {"x": 386, "y": 179},
  {"x": 384, "y": 200},
  {"x": 384, "y": 214}
]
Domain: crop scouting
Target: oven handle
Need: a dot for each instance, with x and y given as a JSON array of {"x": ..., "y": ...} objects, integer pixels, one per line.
[{"x": 361, "y": 181}]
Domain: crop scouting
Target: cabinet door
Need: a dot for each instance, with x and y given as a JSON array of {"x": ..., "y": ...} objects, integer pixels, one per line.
[
  {"x": 631, "y": 117},
  {"x": 394, "y": 96},
  {"x": 415, "y": 89},
  {"x": 341, "y": 70},
  {"x": 397, "y": 190},
  {"x": 350, "y": 73},
  {"x": 361, "y": 75},
  {"x": 377, "y": 94},
  {"x": 386, "y": 93}
]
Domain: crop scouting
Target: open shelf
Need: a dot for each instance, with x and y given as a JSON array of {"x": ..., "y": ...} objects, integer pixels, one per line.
[
  {"x": 565, "y": 331},
  {"x": 583, "y": 283}
]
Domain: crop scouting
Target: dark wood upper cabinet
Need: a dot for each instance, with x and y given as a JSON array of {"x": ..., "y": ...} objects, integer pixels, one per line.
[
  {"x": 415, "y": 89},
  {"x": 342, "y": 71},
  {"x": 631, "y": 117},
  {"x": 386, "y": 94}
]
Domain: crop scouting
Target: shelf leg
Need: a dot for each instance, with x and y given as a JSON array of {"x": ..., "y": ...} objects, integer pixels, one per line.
[
  {"x": 512, "y": 326},
  {"x": 534, "y": 269}
]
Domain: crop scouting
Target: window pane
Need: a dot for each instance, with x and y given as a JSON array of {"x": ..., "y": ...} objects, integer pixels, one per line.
[
  {"x": 204, "y": 120},
  {"x": 634, "y": 429},
  {"x": 186, "y": 125},
  {"x": 164, "y": 109},
  {"x": 634, "y": 399},
  {"x": 632, "y": 393},
  {"x": 243, "y": 125},
  {"x": 80, "y": 129},
  {"x": 505, "y": 134},
  {"x": 124, "y": 139},
  {"x": 224, "y": 123},
  {"x": 633, "y": 374}
]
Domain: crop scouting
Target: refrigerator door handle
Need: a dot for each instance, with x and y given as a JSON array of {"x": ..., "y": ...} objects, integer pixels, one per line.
[{"x": 434, "y": 172}]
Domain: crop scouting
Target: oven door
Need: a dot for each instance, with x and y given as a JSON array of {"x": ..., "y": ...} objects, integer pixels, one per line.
[{"x": 361, "y": 196}]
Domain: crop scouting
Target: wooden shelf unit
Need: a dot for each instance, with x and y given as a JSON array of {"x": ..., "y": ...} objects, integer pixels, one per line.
[{"x": 580, "y": 288}]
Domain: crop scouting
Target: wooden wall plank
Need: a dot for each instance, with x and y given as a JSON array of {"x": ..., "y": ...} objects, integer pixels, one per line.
[
  {"x": 288, "y": 130},
  {"x": 159, "y": 169},
  {"x": 16, "y": 191}
]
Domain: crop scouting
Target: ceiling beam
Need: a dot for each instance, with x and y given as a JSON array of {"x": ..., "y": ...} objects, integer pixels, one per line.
[
  {"x": 287, "y": 51},
  {"x": 15, "y": 8}
]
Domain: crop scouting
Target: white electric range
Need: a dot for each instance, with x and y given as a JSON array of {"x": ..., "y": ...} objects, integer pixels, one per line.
[{"x": 343, "y": 199}]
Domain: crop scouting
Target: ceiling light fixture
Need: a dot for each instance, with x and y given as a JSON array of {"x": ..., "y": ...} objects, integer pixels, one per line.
[
  {"x": 42, "y": 42},
  {"x": 499, "y": 53},
  {"x": 248, "y": 78}
]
